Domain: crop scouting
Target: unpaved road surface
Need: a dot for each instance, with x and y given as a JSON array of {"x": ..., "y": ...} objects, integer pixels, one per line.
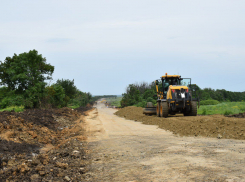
[{"x": 125, "y": 150}]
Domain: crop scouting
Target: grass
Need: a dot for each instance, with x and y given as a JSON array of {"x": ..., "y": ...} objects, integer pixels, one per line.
[
  {"x": 73, "y": 106},
  {"x": 13, "y": 108},
  {"x": 114, "y": 101},
  {"x": 224, "y": 108}
]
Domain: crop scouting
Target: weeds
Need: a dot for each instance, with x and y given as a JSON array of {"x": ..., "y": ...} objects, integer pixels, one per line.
[
  {"x": 228, "y": 112},
  {"x": 224, "y": 108},
  {"x": 14, "y": 108},
  {"x": 204, "y": 112}
]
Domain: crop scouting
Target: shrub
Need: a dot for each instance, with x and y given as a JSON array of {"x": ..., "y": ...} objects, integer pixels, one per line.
[
  {"x": 12, "y": 100},
  {"x": 242, "y": 108},
  {"x": 204, "y": 112},
  {"x": 227, "y": 112},
  {"x": 141, "y": 104}
]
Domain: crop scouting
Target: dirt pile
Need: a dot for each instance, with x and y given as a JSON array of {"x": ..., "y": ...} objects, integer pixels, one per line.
[
  {"x": 42, "y": 145},
  {"x": 83, "y": 109},
  {"x": 240, "y": 115},
  {"x": 216, "y": 126}
]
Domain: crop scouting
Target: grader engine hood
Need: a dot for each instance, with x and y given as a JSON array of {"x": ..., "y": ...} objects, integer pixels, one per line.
[{"x": 177, "y": 92}]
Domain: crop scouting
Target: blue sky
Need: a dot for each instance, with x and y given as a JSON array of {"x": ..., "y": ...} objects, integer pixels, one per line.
[{"x": 106, "y": 44}]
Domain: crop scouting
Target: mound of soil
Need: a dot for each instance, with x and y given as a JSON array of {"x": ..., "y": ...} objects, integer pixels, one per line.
[
  {"x": 83, "y": 109},
  {"x": 216, "y": 126},
  {"x": 42, "y": 145},
  {"x": 240, "y": 115}
]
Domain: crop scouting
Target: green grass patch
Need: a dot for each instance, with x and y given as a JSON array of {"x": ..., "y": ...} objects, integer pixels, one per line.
[
  {"x": 73, "y": 106},
  {"x": 224, "y": 108},
  {"x": 13, "y": 108}
]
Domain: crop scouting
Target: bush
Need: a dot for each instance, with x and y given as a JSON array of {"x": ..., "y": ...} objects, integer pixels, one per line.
[
  {"x": 242, "y": 108},
  {"x": 227, "y": 112},
  {"x": 13, "y": 100},
  {"x": 209, "y": 102},
  {"x": 141, "y": 104},
  {"x": 69, "y": 88},
  {"x": 14, "y": 108},
  {"x": 204, "y": 112},
  {"x": 55, "y": 95}
]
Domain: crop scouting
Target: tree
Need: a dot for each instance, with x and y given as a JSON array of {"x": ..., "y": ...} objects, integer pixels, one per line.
[
  {"x": 69, "y": 87},
  {"x": 131, "y": 97},
  {"x": 56, "y": 95},
  {"x": 26, "y": 74},
  {"x": 24, "y": 71}
]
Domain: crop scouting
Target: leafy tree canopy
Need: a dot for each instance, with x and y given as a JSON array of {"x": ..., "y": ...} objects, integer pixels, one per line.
[
  {"x": 69, "y": 87},
  {"x": 24, "y": 71}
]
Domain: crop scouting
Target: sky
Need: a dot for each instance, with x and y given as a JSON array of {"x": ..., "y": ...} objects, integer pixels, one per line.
[{"x": 104, "y": 45}]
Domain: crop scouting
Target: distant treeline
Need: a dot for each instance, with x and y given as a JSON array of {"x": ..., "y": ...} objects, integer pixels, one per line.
[
  {"x": 24, "y": 83},
  {"x": 221, "y": 95},
  {"x": 97, "y": 97},
  {"x": 139, "y": 94}
]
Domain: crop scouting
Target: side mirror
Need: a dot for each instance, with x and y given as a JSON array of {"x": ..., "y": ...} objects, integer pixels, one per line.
[{"x": 156, "y": 82}]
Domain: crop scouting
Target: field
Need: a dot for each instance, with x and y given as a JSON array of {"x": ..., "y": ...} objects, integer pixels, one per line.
[{"x": 224, "y": 108}]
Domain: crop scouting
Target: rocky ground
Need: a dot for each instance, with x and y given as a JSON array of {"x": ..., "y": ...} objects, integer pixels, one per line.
[{"x": 43, "y": 145}]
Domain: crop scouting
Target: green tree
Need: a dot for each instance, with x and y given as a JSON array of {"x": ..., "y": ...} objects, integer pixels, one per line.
[
  {"x": 69, "y": 87},
  {"x": 26, "y": 74},
  {"x": 131, "y": 97}
]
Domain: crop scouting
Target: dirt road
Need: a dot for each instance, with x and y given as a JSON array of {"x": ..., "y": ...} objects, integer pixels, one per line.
[{"x": 125, "y": 150}]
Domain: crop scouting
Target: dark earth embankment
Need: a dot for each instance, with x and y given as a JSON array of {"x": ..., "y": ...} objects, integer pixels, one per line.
[
  {"x": 42, "y": 145},
  {"x": 216, "y": 126}
]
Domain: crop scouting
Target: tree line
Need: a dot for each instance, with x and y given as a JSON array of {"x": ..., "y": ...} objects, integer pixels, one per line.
[
  {"x": 139, "y": 94},
  {"x": 97, "y": 97},
  {"x": 23, "y": 80}
]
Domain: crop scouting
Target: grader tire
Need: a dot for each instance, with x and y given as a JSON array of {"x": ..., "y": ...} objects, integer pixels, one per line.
[
  {"x": 164, "y": 109},
  {"x": 149, "y": 104},
  {"x": 193, "y": 108},
  {"x": 193, "y": 111},
  {"x": 158, "y": 109}
]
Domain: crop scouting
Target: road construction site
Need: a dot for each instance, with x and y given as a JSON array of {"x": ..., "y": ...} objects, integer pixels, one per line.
[
  {"x": 136, "y": 147},
  {"x": 107, "y": 144}
]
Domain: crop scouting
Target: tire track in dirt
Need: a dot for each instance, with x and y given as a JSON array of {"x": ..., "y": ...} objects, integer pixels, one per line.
[{"x": 130, "y": 151}]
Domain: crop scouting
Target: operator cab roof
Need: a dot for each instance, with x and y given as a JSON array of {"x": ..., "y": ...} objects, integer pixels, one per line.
[{"x": 171, "y": 76}]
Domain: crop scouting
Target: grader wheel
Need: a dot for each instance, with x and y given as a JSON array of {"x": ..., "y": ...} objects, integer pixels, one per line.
[
  {"x": 158, "y": 109},
  {"x": 193, "y": 111},
  {"x": 164, "y": 109}
]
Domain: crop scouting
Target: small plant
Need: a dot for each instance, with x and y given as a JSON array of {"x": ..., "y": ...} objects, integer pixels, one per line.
[
  {"x": 13, "y": 108},
  {"x": 227, "y": 112},
  {"x": 242, "y": 108},
  {"x": 204, "y": 112}
]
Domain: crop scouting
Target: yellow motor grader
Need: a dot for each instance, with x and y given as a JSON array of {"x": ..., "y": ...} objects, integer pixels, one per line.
[{"x": 174, "y": 95}]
